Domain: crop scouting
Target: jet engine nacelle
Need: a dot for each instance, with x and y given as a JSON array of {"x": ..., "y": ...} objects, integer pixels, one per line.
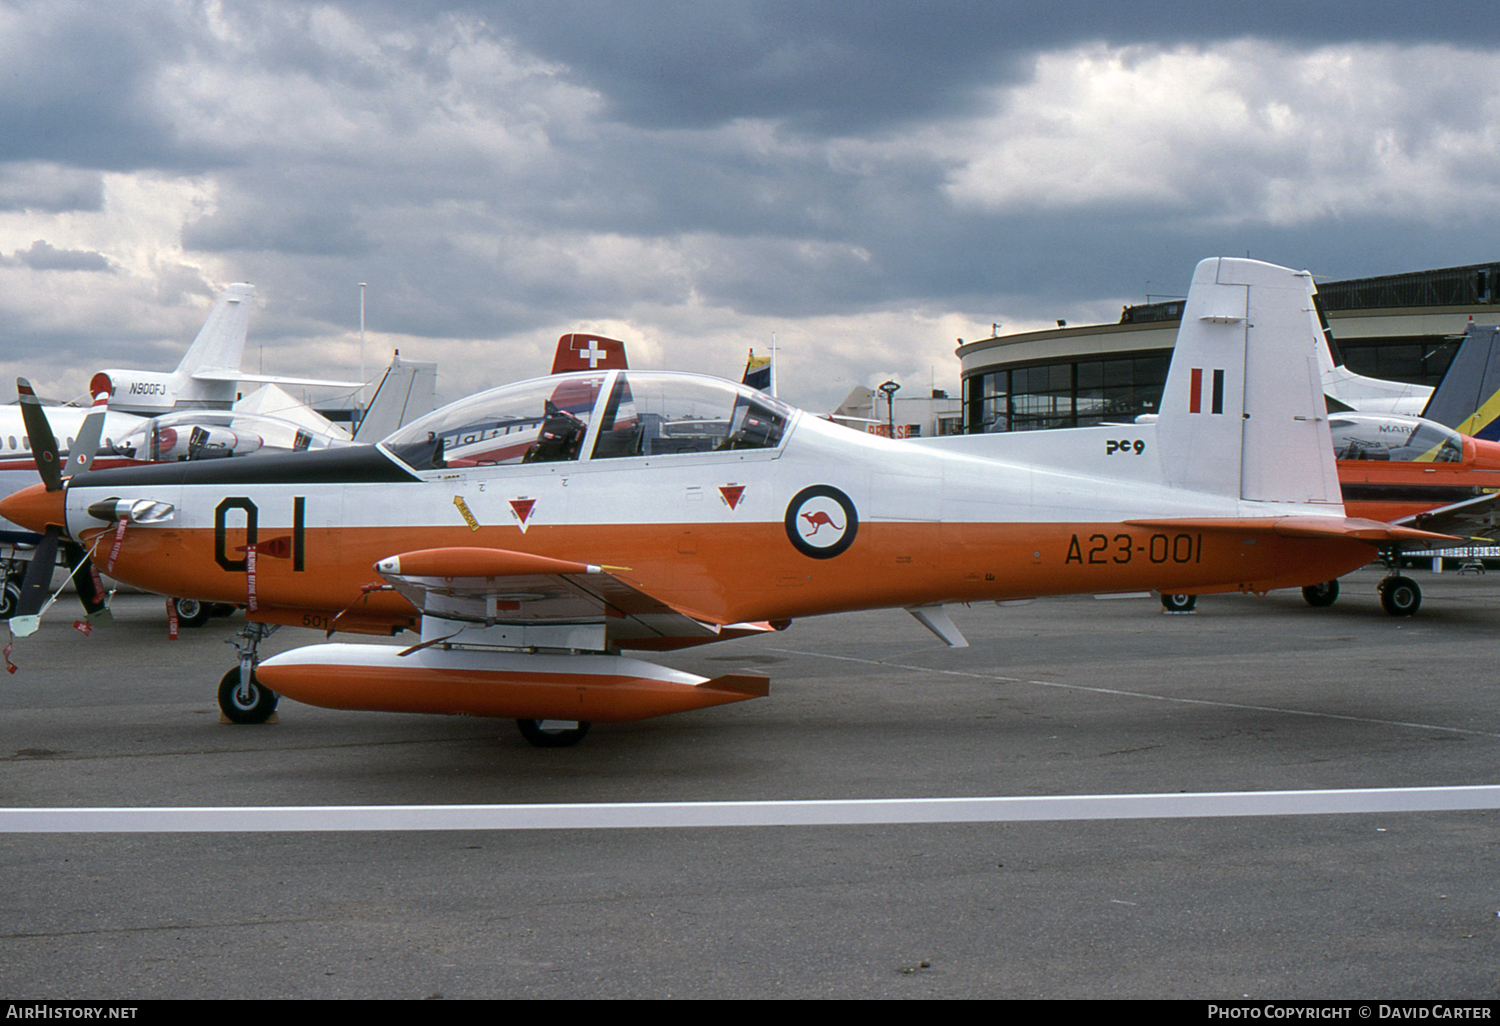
[{"x": 149, "y": 393}]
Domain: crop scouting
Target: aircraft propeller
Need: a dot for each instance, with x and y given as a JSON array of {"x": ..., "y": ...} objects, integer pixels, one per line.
[{"x": 34, "y": 588}]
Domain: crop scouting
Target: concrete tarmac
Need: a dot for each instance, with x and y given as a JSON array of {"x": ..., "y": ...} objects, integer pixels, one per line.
[{"x": 1057, "y": 697}]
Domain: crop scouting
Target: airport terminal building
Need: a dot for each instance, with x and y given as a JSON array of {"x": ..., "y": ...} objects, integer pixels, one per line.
[{"x": 1402, "y": 327}]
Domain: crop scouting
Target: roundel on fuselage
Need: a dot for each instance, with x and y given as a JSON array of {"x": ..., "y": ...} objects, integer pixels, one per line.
[{"x": 821, "y": 521}]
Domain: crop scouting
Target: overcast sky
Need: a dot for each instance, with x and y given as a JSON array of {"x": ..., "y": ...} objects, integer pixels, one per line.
[{"x": 868, "y": 180}]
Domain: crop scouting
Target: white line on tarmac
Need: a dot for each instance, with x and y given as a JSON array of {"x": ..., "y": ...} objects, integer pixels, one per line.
[
  {"x": 1144, "y": 694},
  {"x": 856, "y": 812}
]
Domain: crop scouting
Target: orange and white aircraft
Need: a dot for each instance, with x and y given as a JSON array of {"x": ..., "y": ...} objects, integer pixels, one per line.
[{"x": 534, "y": 532}]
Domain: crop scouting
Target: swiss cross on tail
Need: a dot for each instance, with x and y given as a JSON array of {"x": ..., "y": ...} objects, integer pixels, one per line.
[
  {"x": 1195, "y": 392},
  {"x": 578, "y": 352}
]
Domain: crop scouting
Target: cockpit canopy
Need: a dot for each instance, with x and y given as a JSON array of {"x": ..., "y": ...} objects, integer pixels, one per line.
[
  {"x": 1394, "y": 439},
  {"x": 215, "y": 434},
  {"x": 548, "y": 420}
]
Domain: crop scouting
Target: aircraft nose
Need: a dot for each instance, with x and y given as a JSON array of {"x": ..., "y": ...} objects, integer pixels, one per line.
[{"x": 34, "y": 508}]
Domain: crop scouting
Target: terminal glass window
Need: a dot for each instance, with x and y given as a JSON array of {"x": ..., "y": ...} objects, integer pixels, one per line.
[
  {"x": 1068, "y": 393},
  {"x": 539, "y": 421},
  {"x": 669, "y": 414}
]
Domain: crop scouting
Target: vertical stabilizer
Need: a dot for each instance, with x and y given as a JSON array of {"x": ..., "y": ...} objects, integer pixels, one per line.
[
  {"x": 1468, "y": 398},
  {"x": 221, "y": 342},
  {"x": 1243, "y": 413},
  {"x": 407, "y": 391}
]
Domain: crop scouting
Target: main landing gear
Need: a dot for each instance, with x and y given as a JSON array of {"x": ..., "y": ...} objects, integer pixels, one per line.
[
  {"x": 1321, "y": 596},
  {"x": 193, "y": 613},
  {"x": 1179, "y": 603},
  {"x": 553, "y": 733},
  {"x": 242, "y": 698},
  {"x": 1399, "y": 595}
]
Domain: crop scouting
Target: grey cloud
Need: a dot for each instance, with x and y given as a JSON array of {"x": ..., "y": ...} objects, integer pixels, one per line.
[
  {"x": 44, "y": 257},
  {"x": 49, "y": 188}
]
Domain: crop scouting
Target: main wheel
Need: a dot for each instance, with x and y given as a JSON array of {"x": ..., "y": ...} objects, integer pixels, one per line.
[
  {"x": 1179, "y": 603},
  {"x": 543, "y": 733},
  {"x": 1320, "y": 596},
  {"x": 191, "y": 612},
  {"x": 1400, "y": 596},
  {"x": 254, "y": 707}
]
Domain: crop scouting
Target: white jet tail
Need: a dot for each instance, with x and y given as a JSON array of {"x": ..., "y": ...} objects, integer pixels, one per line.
[
  {"x": 221, "y": 341},
  {"x": 1243, "y": 412}
]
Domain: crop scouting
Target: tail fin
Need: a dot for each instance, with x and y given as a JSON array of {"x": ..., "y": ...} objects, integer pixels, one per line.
[
  {"x": 1468, "y": 398},
  {"x": 407, "y": 391},
  {"x": 758, "y": 372},
  {"x": 221, "y": 342},
  {"x": 1242, "y": 413},
  {"x": 578, "y": 351}
]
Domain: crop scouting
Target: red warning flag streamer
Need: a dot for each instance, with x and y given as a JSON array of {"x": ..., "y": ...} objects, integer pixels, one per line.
[
  {"x": 114, "y": 552},
  {"x": 171, "y": 620},
  {"x": 10, "y": 667},
  {"x": 251, "y": 604}
]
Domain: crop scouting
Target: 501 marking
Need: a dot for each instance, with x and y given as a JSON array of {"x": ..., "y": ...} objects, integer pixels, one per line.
[{"x": 1122, "y": 548}]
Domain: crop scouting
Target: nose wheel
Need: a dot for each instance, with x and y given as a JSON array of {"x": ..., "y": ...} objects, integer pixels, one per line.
[
  {"x": 246, "y": 701},
  {"x": 242, "y": 698}
]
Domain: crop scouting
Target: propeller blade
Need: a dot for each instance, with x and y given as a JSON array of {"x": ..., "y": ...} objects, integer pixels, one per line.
[
  {"x": 85, "y": 580},
  {"x": 43, "y": 442},
  {"x": 86, "y": 445},
  {"x": 38, "y": 582}
]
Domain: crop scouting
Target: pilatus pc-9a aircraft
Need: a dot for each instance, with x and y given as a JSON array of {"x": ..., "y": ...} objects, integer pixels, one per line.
[{"x": 534, "y": 533}]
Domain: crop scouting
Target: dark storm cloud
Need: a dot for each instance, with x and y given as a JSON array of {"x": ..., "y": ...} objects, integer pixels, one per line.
[
  {"x": 78, "y": 86},
  {"x": 858, "y": 67}
]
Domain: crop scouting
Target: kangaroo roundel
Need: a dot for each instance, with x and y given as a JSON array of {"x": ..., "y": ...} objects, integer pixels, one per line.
[{"x": 821, "y": 521}]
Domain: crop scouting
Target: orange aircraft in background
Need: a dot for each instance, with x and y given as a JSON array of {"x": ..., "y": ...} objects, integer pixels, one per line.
[{"x": 534, "y": 532}]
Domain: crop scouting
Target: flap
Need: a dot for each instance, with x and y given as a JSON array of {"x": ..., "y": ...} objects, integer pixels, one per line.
[{"x": 500, "y": 586}]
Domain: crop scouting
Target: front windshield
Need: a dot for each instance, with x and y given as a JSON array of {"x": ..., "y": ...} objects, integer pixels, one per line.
[
  {"x": 654, "y": 414},
  {"x": 539, "y": 421},
  {"x": 217, "y": 434},
  {"x": 1395, "y": 440}
]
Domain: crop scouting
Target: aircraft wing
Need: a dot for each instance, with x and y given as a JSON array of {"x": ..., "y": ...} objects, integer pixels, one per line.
[
  {"x": 230, "y": 374},
  {"x": 1475, "y": 520},
  {"x": 496, "y": 587}
]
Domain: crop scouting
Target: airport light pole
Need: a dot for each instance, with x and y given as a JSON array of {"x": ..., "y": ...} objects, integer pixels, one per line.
[
  {"x": 360, "y": 396},
  {"x": 890, "y": 388}
]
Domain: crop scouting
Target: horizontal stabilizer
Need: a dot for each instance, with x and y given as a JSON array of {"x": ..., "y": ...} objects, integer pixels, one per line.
[
  {"x": 230, "y": 374},
  {"x": 1477, "y": 514},
  {"x": 1373, "y": 531}
]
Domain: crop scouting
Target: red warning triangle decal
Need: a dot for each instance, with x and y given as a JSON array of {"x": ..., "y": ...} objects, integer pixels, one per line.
[
  {"x": 522, "y": 509},
  {"x": 732, "y": 494}
]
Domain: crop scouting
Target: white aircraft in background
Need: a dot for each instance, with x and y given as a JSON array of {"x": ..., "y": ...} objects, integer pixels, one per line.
[
  {"x": 209, "y": 375},
  {"x": 1361, "y": 394}
]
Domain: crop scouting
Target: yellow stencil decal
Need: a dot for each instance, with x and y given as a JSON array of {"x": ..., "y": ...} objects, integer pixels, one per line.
[{"x": 463, "y": 508}]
